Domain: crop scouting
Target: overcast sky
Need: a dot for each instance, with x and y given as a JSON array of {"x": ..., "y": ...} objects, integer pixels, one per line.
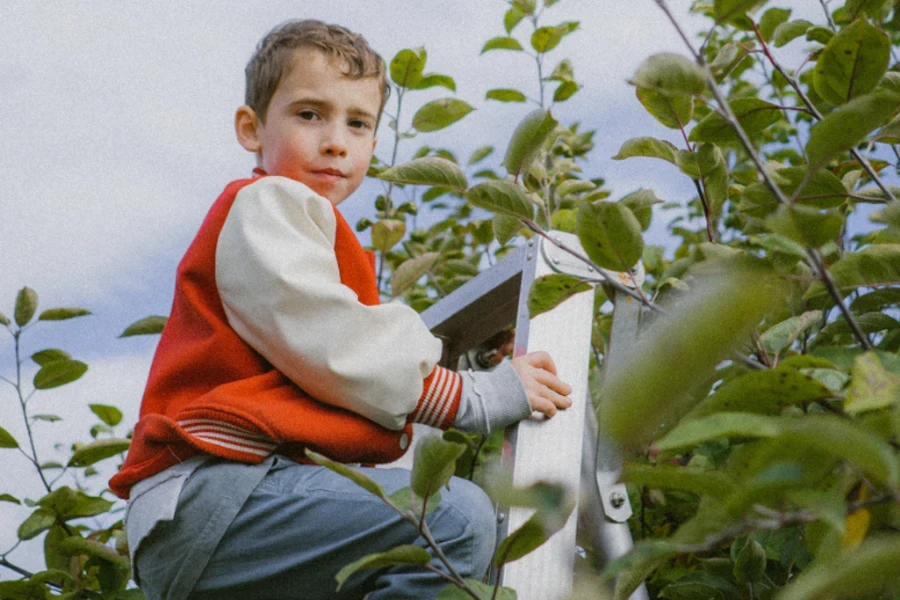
[{"x": 116, "y": 125}]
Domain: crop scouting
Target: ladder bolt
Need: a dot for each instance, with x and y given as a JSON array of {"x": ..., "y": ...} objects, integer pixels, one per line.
[
  {"x": 501, "y": 516},
  {"x": 617, "y": 499}
]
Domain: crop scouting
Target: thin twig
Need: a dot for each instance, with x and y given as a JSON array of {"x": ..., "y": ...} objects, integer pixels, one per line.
[
  {"x": 818, "y": 263},
  {"x": 16, "y": 568}
]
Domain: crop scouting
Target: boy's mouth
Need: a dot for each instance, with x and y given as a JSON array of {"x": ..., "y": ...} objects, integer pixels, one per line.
[{"x": 329, "y": 172}]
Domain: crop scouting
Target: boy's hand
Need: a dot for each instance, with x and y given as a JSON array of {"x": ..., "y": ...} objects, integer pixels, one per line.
[{"x": 545, "y": 391}]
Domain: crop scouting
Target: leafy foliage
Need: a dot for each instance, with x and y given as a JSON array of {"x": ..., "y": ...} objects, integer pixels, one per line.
[{"x": 80, "y": 562}]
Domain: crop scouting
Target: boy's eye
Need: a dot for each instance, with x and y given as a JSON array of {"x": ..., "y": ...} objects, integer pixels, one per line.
[
  {"x": 359, "y": 124},
  {"x": 307, "y": 115}
]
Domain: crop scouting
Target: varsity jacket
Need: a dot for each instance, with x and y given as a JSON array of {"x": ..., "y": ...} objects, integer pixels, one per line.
[{"x": 277, "y": 342}]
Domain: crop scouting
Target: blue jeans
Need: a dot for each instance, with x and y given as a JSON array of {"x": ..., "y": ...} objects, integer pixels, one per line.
[{"x": 303, "y": 523}]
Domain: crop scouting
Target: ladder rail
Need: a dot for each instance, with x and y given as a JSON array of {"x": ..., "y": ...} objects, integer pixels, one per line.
[{"x": 568, "y": 448}]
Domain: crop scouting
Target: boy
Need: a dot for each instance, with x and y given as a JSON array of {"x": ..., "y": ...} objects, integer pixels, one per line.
[{"x": 276, "y": 343}]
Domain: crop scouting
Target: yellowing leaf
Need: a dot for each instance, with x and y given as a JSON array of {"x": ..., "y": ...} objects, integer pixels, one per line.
[{"x": 856, "y": 526}]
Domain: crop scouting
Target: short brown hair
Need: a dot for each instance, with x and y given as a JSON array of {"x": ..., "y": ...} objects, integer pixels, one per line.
[{"x": 273, "y": 55}]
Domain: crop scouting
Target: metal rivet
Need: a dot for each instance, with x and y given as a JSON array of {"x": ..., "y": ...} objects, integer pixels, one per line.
[
  {"x": 404, "y": 441},
  {"x": 590, "y": 269},
  {"x": 501, "y": 516},
  {"x": 555, "y": 261},
  {"x": 617, "y": 499}
]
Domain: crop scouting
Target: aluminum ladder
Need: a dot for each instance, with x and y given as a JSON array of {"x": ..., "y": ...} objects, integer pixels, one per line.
[{"x": 567, "y": 449}]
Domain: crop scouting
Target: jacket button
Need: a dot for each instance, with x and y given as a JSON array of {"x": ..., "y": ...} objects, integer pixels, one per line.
[{"x": 404, "y": 441}]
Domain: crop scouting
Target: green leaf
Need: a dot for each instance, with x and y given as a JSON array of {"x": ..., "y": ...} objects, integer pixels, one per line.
[
  {"x": 512, "y": 18},
  {"x": 438, "y": 114},
  {"x": 750, "y": 564},
  {"x": 641, "y": 204},
  {"x": 7, "y": 440},
  {"x": 505, "y": 95},
  {"x": 671, "y": 73},
  {"x": 725, "y": 10},
  {"x": 501, "y": 43},
  {"x": 93, "y": 548},
  {"x": 872, "y": 8},
  {"x": 727, "y": 59},
  {"x": 610, "y": 235},
  {"x": 672, "y": 110},
  {"x": 110, "y": 415},
  {"x": 545, "y": 39},
  {"x": 869, "y": 323},
  {"x": 57, "y": 373},
  {"x": 434, "y": 80},
  {"x": 50, "y": 355},
  {"x": 566, "y": 90},
  {"x": 771, "y": 19},
  {"x": 873, "y": 387},
  {"x": 849, "y": 124},
  {"x": 876, "y": 301},
  {"x": 869, "y": 570},
  {"x": 753, "y": 114},
  {"x": 26, "y": 304},
  {"x": 407, "y": 66},
  {"x": 38, "y": 522},
  {"x": 151, "y": 325},
  {"x": 60, "y": 314},
  {"x": 727, "y": 298},
  {"x": 781, "y": 335},
  {"x": 429, "y": 170},
  {"x": 689, "y": 479},
  {"x": 694, "y": 432},
  {"x": 846, "y": 440},
  {"x": 819, "y": 34},
  {"x": 527, "y": 139},
  {"x": 360, "y": 479},
  {"x": 433, "y": 464},
  {"x": 789, "y": 31},
  {"x": 411, "y": 270},
  {"x": 69, "y": 504},
  {"x": 9, "y": 498},
  {"x": 98, "y": 450},
  {"x": 806, "y": 225},
  {"x": 648, "y": 147},
  {"x": 563, "y": 72},
  {"x": 531, "y": 534},
  {"x": 52, "y": 557},
  {"x": 4, "y": 320},
  {"x": 503, "y": 196},
  {"x": 574, "y": 186},
  {"x": 407, "y": 501},
  {"x": 386, "y": 233},
  {"x": 763, "y": 392},
  {"x": 873, "y": 266},
  {"x": 852, "y": 62},
  {"x": 401, "y": 555},
  {"x": 549, "y": 291},
  {"x": 505, "y": 227},
  {"x": 480, "y": 154}
]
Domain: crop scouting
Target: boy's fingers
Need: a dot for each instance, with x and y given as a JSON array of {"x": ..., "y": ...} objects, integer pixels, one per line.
[
  {"x": 553, "y": 382},
  {"x": 541, "y": 360}
]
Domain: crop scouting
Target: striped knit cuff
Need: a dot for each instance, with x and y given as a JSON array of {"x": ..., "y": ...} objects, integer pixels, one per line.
[{"x": 439, "y": 402}]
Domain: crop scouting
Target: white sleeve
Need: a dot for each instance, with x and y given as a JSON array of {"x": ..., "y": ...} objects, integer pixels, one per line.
[{"x": 278, "y": 278}]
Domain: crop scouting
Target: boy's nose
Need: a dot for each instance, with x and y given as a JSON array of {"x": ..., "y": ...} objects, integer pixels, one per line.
[{"x": 333, "y": 142}]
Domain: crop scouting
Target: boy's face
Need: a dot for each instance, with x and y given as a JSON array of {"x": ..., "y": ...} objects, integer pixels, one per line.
[{"x": 320, "y": 126}]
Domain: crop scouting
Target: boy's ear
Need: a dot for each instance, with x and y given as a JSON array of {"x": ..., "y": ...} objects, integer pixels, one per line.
[{"x": 246, "y": 126}]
